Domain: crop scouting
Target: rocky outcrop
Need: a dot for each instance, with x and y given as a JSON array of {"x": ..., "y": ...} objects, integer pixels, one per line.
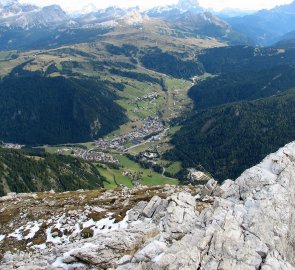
[
  {"x": 243, "y": 224},
  {"x": 249, "y": 226}
]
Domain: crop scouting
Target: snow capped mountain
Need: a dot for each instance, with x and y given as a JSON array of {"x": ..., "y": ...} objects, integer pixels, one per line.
[
  {"x": 14, "y": 14},
  {"x": 13, "y": 8},
  {"x": 186, "y": 14},
  {"x": 189, "y": 5},
  {"x": 202, "y": 20},
  {"x": 134, "y": 18},
  {"x": 6, "y": 2},
  {"x": 169, "y": 12},
  {"x": 103, "y": 15},
  {"x": 112, "y": 16}
]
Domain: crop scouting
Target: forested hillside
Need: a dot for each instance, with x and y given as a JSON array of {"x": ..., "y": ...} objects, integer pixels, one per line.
[
  {"x": 44, "y": 110},
  {"x": 247, "y": 85},
  {"x": 25, "y": 172},
  {"x": 228, "y": 139},
  {"x": 244, "y": 58},
  {"x": 170, "y": 64},
  {"x": 243, "y": 110}
]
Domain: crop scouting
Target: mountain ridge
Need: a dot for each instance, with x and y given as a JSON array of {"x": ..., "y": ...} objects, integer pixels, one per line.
[
  {"x": 266, "y": 27},
  {"x": 186, "y": 14}
]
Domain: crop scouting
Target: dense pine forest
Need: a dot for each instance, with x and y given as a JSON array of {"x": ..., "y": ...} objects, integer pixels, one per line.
[
  {"x": 228, "y": 139},
  {"x": 44, "y": 110},
  {"x": 247, "y": 85},
  {"x": 24, "y": 171}
]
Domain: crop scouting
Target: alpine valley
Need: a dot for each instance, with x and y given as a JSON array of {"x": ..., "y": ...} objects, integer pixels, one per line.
[{"x": 121, "y": 127}]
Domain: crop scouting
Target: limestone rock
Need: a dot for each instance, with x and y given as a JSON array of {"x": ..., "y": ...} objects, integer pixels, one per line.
[
  {"x": 109, "y": 248},
  {"x": 134, "y": 214},
  {"x": 181, "y": 215},
  {"x": 249, "y": 226},
  {"x": 151, "y": 207}
]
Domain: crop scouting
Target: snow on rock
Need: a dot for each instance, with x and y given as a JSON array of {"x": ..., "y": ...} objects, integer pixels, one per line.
[
  {"x": 2, "y": 237},
  {"x": 26, "y": 232},
  {"x": 134, "y": 18}
]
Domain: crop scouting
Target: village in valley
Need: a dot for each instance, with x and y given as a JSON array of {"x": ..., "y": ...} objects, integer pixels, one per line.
[
  {"x": 142, "y": 141},
  {"x": 102, "y": 150}
]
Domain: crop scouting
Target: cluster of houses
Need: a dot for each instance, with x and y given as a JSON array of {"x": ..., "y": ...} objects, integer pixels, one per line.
[
  {"x": 150, "y": 126},
  {"x": 148, "y": 97},
  {"x": 149, "y": 156},
  {"x": 117, "y": 143},
  {"x": 11, "y": 146},
  {"x": 91, "y": 155},
  {"x": 135, "y": 177}
]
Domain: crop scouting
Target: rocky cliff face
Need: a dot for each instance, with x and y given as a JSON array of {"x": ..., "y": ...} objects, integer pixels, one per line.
[
  {"x": 243, "y": 224},
  {"x": 13, "y": 14}
]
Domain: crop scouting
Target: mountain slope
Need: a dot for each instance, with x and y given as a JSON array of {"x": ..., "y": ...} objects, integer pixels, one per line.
[
  {"x": 234, "y": 87},
  {"x": 170, "y": 12},
  {"x": 228, "y": 139},
  {"x": 266, "y": 26},
  {"x": 97, "y": 77},
  {"x": 244, "y": 59},
  {"x": 286, "y": 43},
  {"x": 24, "y": 27},
  {"x": 39, "y": 110},
  {"x": 24, "y": 172},
  {"x": 17, "y": 15},
  {"x": 207, "y": 24}
]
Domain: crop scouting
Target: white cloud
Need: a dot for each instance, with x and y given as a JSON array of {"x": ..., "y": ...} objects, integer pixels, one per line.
[
  {"x": 72, "y": 5},
  {"x": 242, "y": 4}
]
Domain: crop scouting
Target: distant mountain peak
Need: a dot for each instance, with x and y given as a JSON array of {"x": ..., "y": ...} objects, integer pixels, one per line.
[
  {"x": 187, "y": 4},
  {"x": 15, "y": 14},
  {"x": 171, "y": 11},
  {"x": 287, "y": 8},
  {"x": 4, "y": 3},
  {"x": 88, "y": 8},
  {"x": 134, "y": 17}
]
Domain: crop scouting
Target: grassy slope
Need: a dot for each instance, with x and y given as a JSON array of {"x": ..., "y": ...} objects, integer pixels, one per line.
[{"x": 149, "y": 177}]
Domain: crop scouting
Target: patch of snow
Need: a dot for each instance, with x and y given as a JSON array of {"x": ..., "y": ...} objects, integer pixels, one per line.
[
  {"x": 134, "y": 18},
  {"x": 17, "y": 234},
  {"x": 33, "y": 230},
  {"x": 58, "y": 264},
  {"x": 88, "y": 223},
  {"x": 98, "y": 209},
  {"x": 111, "y": 23},
  {"x": 50, "y": 238},
  {"x": 2, "y": 237},
  {"x": 40, "y": 247}
]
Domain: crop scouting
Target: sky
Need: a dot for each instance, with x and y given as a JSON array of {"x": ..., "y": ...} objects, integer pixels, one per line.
[{"x": 74, "y": 5}]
